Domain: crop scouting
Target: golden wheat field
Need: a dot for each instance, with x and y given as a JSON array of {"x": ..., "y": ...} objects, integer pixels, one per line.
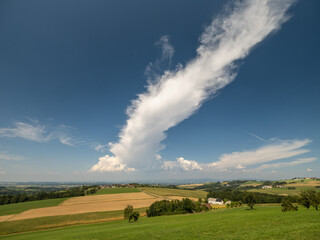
[{"x": 86, "y": 204}]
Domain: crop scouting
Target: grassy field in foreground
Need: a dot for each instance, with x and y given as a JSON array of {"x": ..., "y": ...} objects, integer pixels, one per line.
[
  {"x": 238, "y": 223},
  {"x": 15, "y": 208},
  {"x": 116, "y": 190},
  {"x": 285, "y": 191},
  {"x": 176, "y": 192},
  {"x": 60, "y": 221}
]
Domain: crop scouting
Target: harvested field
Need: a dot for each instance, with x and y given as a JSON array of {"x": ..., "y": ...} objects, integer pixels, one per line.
[
  {"x": 86, "y": 204},
  {"x": 168, "y": 192},
  {"x": 304, "y": 184}
]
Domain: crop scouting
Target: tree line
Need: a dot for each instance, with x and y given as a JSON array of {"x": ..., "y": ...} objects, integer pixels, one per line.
[
  {"x": 166, "y": 207},
  {"x": 72, "y": 192},
  {"x": 236, "y": 195}
]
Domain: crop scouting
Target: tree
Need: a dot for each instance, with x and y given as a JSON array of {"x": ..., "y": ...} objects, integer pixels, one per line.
[
  {"x": 315, "y": 199},
  {"x": 305, "y": 198},
  {"x": 127, "y": 211},
  {"x": 250, "y": 200},
  {"x": 134, "y": 216},
  {"x": 287, "y": 205}
]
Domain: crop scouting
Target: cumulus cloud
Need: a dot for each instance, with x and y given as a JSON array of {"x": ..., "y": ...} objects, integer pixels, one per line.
[
  {"x": 280, "y": 150},
  {"x": 178, "y": 94},
  {"x": 309, "y": 170},
  {"x": 110, "y": 164},
  {"x": 38, "y": 133},
  {"x": 182, "y": 163}
]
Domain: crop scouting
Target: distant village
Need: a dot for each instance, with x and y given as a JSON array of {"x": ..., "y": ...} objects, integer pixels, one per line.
[{"x": 117, "y": 186}]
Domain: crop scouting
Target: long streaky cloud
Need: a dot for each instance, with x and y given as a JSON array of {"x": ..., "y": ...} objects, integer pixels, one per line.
[
  {"x": 176, "y": 95},
  {"x": 282, "y": 149},
  {"x": 37, "y": 133},
  {"x": 286, "y": 164}
]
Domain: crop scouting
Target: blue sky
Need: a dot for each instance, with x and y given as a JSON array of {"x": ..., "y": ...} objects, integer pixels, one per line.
[{"x": 227, "y": 90}]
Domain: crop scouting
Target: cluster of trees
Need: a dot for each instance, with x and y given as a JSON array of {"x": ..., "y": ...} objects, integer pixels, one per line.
[
  {"x": 235, "y": 184},
  {"x": 308, "y": 198},
  {"x": 237, "y": 195},
  {"x": 73, "y": 192},
  {"x": 131, "y": 215},
  {"x": 166, "y": 207}
]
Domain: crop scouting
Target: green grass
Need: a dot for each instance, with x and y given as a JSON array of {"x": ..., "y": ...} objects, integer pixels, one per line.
[
  {"x": 116, "y": 190},
  {"x": 15, "y": 208},
  {"x": 176, "y": 192},
  {"x": 237, "y": 224},
  {"x": 290, "y": 192},
  {"x": 59, "y": 221}
]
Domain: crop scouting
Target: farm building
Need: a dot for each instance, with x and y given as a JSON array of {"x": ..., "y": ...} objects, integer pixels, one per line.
[
  {"x": 215, "y": 201},
  {"x": 267, "y": 186}
]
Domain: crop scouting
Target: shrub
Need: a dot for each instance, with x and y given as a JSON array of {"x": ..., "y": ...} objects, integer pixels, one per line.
[
  {"x": 134, "y": 216},
  {"x": 127, "y": 211},
  {"x": 287, "y": 205}
]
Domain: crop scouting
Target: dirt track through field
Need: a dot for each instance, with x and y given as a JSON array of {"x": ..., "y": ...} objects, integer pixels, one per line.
[{"x": 98, "y": 203}]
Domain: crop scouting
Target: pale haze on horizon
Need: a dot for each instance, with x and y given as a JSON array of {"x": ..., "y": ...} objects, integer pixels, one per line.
[{"x": 158, "y": 91}]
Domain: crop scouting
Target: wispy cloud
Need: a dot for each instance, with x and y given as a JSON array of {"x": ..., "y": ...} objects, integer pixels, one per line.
[
  {"x": 286, "y": 164},
  {"x": 155, "y": 69},
  {"x": 36, "y": 132},
  {"x": 100, "y": 147},
  {"x": 4, "y": 155},
  {"x": 27, "y": 131},
  {"x": 309, "y": 170},
  {"x": 176, "y": 95},
  {"x": 257, "y": 137},
  {"x": 182, "y": 163},
  {"x": 281, "y": 149}
]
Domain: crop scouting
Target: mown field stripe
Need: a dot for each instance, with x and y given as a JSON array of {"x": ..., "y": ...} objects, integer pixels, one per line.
[{"x": 36, "y": 224}]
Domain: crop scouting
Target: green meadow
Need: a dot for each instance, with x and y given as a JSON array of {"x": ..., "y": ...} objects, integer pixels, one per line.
[
  {"x": 116, "y": 190},
  {"x": 34, "y": 224},
  {"x": 238, "y": 223},
  {"x": 15, "y": 208}
]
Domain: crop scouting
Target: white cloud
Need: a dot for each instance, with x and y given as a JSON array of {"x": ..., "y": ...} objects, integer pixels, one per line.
[
  {"x": 110, "y": 164},
  {"x": 38, "y": 133},
  {"x": 27, "y": 131},
  {"x": 8, "y": 157},
  {"x": 100, "y": 147},
  {"x": 176, "y": 95},
  {"x": 257, "y": 137},
  {"x": 286, "y": 164},
  {"x": 309, "y": 170},
  {"x": 182, "y": 163},
  {"x": 280, "y": 150},
  {"x": 2, "y": 172},
  {"x": 188, "y": 164}
]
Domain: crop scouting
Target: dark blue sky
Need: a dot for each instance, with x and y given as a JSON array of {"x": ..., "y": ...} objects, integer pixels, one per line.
[{"x": 72, "y": 68}]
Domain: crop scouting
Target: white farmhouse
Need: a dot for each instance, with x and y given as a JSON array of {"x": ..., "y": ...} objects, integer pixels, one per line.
[
  {"x": 267, "y": 186},
  {"x": 215, "y": 201}
]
